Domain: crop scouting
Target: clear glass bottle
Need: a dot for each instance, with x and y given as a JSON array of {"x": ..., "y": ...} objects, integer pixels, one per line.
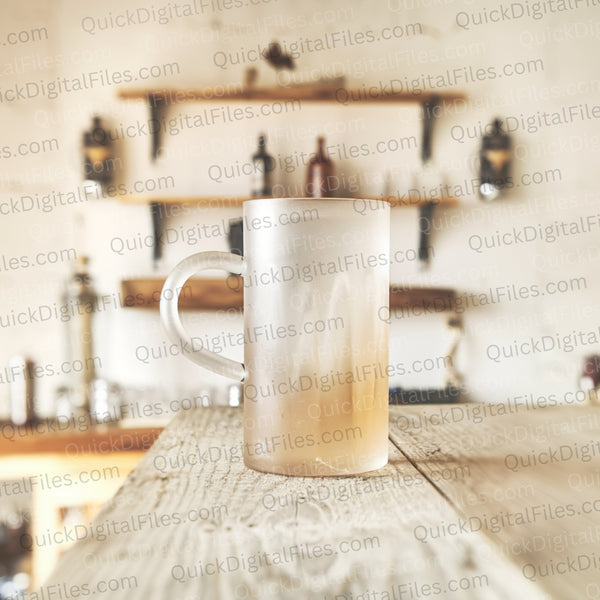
[
  {"x": 263, "y": 166},
  {"x": 320, "y": 175},
  {"x": 80, "y": 298}
]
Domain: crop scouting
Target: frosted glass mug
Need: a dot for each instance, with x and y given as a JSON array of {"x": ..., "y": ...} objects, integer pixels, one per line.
[{"x": 315, "y": 274}]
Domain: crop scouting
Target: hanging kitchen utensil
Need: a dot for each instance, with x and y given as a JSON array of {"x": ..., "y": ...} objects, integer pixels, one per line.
[
  {"x": 157, "y": 224},
  {"x": 428, "y": 110},
  {"x": 426, "y": 210}
]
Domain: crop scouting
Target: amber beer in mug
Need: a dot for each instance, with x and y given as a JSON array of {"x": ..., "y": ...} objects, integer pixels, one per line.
[{"x": 315, "y": 274}]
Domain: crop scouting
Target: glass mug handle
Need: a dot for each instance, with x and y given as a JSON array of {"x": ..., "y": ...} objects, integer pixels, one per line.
[{"x": 169, "y": 314}]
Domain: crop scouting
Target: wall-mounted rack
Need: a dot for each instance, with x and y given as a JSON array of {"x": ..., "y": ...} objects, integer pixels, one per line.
[
  {"x": 159, "y": 99},
  {"x": 237, "y": 201},
  {"x": 220, "y": 294}
]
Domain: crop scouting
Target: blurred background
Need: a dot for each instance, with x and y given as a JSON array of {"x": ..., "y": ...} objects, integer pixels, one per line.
[{"x": 510, "y": 274}]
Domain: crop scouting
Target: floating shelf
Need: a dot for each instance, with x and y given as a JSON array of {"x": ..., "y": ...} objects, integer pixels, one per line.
[
  {"x": 118, "y": 439},
  {"x": 313, "y": 93},
  {"x": 197, "y": 294},
  {"x": 220, "y": 294},
  {"x": 236, "y": 201},
  {"x": 159, "y": 99}
]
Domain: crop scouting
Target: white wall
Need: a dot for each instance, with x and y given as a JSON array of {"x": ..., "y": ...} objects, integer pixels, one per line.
[{"x": 565, "y": 42}]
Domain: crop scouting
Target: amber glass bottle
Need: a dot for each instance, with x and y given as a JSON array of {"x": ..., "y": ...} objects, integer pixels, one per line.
[{"x": 320, "y": 178}]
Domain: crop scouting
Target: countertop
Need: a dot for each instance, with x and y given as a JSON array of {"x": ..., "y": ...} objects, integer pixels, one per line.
[{"x": 477, "y": 501}]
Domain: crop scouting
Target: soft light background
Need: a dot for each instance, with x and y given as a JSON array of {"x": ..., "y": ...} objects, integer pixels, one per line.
[{"x": 567, "y": 44}]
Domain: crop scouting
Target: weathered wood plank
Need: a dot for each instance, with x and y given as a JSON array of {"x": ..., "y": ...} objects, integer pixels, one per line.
[
  {"x": 193, "y": 522},
  {"x": 544, "y": 516}
]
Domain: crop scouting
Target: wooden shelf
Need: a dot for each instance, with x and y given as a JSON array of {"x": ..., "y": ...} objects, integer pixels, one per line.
[
  {"x": 219, "y": 294},
  {"x": 198, "y": 201},
  {"x": 115, "y": 438},
  {"x": 316, "y": 93},
  {"x": 197, "y": 294},
  {"x": 236, "y": 201},
  {"x": 435, "y": 299}
]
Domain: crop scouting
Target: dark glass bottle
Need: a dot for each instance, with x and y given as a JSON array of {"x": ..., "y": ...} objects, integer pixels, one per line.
[
  {"x": 263, "y": 166},
  {"x": 320, "y": 178}
]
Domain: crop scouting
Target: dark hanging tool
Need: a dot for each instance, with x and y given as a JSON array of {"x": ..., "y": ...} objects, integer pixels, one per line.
[
  {"x": 426, "y": 210},
  {"x": 235, "y": 236},
  {"x": 157, "y": 104},
  {"x": 155, "y": 212},
  {"x": 428, "y": 108},
  {"x": 425, "y": 217}
]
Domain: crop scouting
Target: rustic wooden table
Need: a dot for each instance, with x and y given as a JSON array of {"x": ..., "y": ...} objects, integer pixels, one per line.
[{"x": 475, "y": 502}]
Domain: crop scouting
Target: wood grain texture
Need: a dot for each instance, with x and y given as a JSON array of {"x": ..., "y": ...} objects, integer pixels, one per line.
[
  {"x": 196, "y": 508},
  {"x": 316, "y": 93},
  {"x": 217, "y": 294},
  {"x": 196, "y": 294},
  {"x": 49, "y": 436},
  {"x": 201, "y": 202},
  {"x": 427, "y": 299},
  {"x": 530, "y": 480}
]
